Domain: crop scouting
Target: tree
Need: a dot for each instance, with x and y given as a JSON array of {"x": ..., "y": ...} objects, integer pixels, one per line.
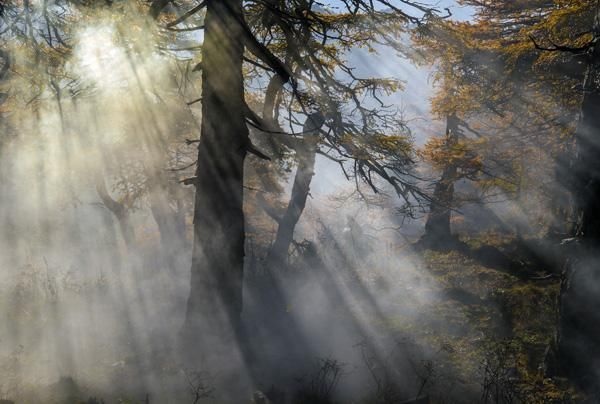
[
  {"x": 538, "y": 47},
  {"x": 565, "y": 32},
  {"x": 518, "y": 109},
  {"x": 314, "y": 49},
  {"x": 579, "y": 322},
  {"x": 217, "y": 265},
  {"x": 305, "y": 155},
  {"x": 137, "y": 167},
  {"x": 218, "y": 249},
  {"x": 119, "y": 209},
  {"x": 437, "y": 227}
]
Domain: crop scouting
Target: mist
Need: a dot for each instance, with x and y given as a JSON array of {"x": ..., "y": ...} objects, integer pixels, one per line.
[{"x": 295, "y": 202}]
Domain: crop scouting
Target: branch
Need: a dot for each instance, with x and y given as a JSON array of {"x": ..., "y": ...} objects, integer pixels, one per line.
[
  {"x": 187, "y": 15},
  {"x": 254, "y": 150},
  {"x": 257, "y": 64},
  {"x": 561, "y": 48},
  {"x": 194, "y": 101},
  {"x": 186, "y": 29},
  {"x": 263, "y": 53},
  {"x": 189, "y": 181},
  {"x": 184, "y": 167}
]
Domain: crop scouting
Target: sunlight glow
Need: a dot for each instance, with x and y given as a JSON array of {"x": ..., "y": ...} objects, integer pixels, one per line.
[{"x": 98, "y": 59}]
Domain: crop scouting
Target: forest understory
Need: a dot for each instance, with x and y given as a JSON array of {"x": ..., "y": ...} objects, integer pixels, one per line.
[{"x": 472, "y": 322}]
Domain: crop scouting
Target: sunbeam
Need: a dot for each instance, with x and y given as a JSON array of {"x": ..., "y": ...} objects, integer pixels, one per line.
[{"x": 299, "y": 202}]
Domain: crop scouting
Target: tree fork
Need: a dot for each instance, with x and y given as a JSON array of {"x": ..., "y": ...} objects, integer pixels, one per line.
[{"x": 305, "y": 154}]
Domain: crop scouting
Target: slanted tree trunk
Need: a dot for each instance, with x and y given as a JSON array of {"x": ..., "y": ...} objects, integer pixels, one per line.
[
  {"x": 215, "y": 299},
  {"x": 579, "y": 318},
  {"x": 119, "y": 211},
  {"x": 169, "y": 220},
  {"x": 272, "y": 101},
  {"x": 305, "y": 154},
  {"x": 437, "y": 227}
]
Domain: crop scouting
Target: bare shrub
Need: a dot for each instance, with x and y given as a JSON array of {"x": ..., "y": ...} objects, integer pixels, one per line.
[
  {"x": 319, "y": 388},
  {"x": 199, "y": 387},
  {"x": 499, "y": 375}
]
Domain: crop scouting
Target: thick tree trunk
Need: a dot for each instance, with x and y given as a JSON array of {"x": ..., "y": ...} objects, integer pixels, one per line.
[
  {"x": 305, "y": 154},
  {"x": 579, "y": 318},
  {"x": 437, "y": 227},
  {"x": 215, "y": 300}
]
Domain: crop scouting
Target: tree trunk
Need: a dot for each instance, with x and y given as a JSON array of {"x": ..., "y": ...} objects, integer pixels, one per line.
[
  {"x": 170, "y": 221},
  {"x": 119, "y": 211},
  {"x": 437, "y": 227},
  {"x": 305, "y": 154},
  {"x": 215, "y": 300},
  {"x": 272, "y": 101},
  {"x": 6, "y": 181},
  {"x": 578, "y": 333}
]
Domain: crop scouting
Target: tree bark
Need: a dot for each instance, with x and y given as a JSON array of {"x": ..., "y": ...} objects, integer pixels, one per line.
[
  {"x": 437, "y": 228},
  {"x": 305, "y": 154},
  {"x": 215, "y": 300}
]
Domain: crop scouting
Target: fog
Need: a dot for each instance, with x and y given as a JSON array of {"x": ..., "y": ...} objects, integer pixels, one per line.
[{"x": 96, "y": 226}]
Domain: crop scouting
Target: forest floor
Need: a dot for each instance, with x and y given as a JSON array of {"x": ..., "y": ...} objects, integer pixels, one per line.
[
  {"x": 489, "y": 321},
  {"x": 477, "y": 320}
]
